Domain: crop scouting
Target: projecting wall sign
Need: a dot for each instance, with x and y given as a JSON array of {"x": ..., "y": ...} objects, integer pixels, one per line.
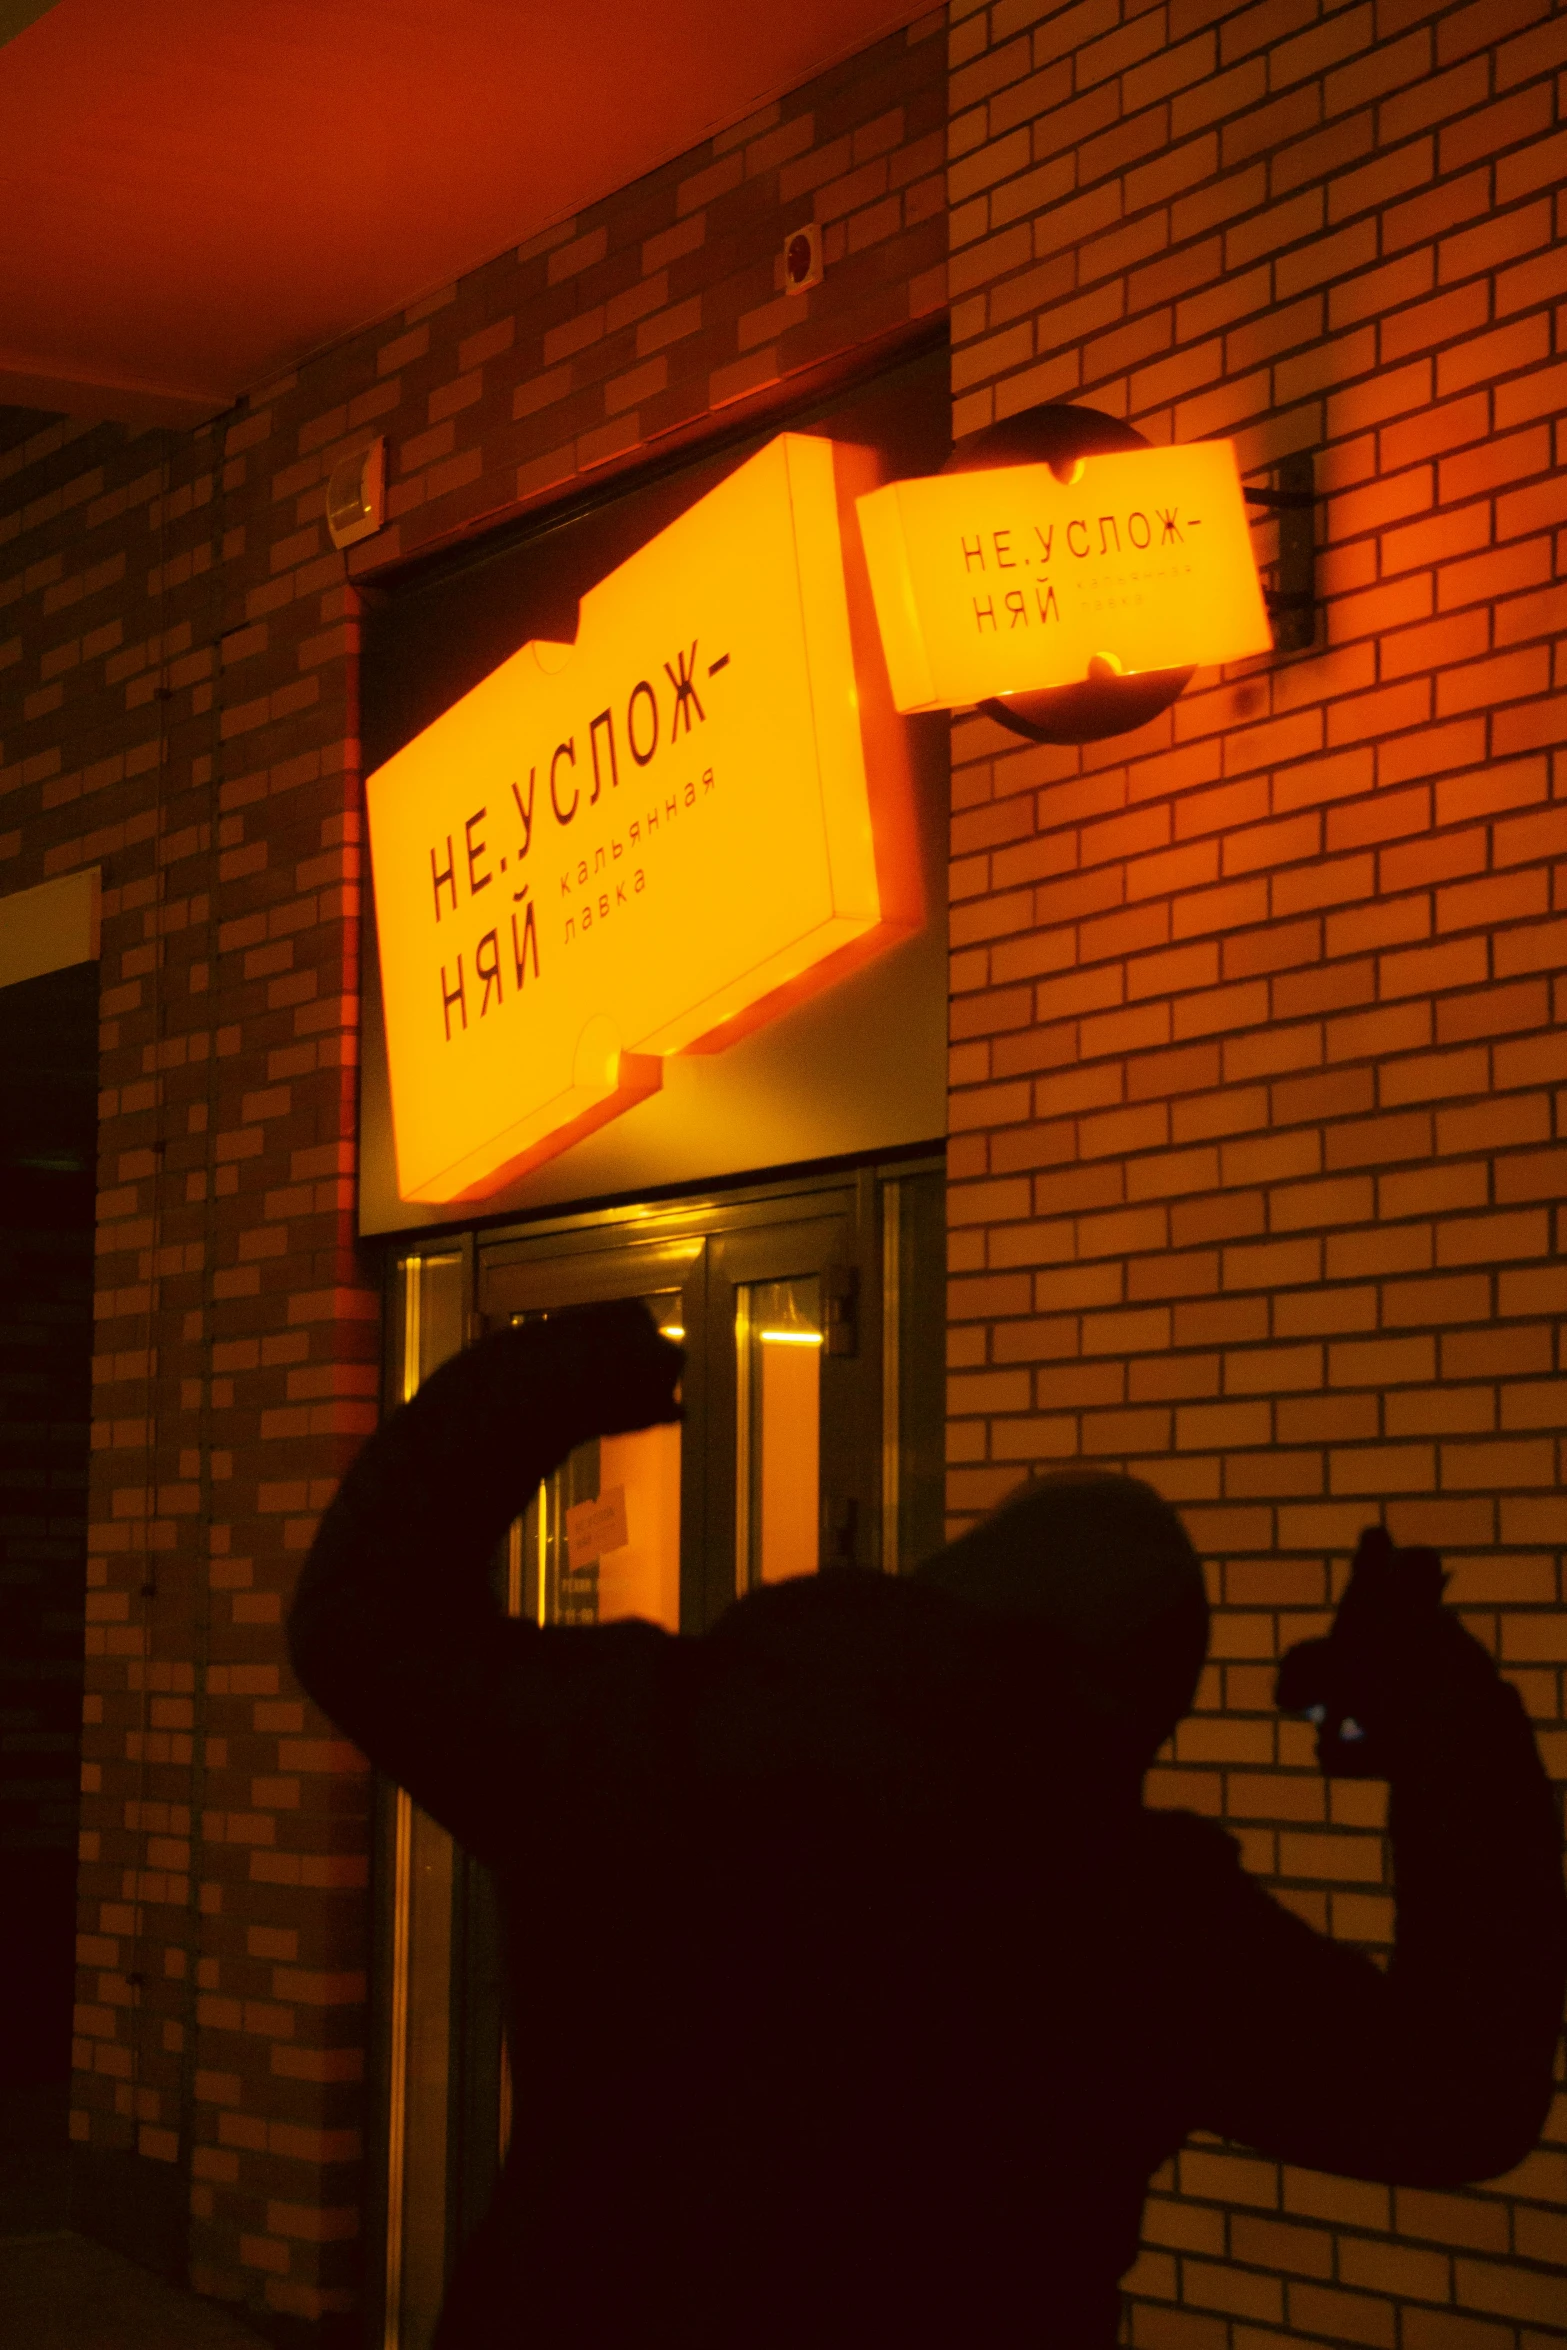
[
  {"x": 645, "y": 842},
  {"x": 1009, "y": 580}
]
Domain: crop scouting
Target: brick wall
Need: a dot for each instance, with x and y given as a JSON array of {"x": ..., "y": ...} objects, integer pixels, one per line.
[
  {"x": 1258, "y": 1108},
  {"x": 1255, "y": 1076},
  {"x": 178, "y": 705},
  {"x": 222, "y": 1860}
]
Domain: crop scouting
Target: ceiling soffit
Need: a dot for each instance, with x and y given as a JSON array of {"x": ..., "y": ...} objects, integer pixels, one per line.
[{"x": 199, "y": 194}]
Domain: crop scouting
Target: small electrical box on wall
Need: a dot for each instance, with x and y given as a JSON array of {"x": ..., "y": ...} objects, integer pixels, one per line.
[
  {"x": 356, "y": 496},
  {"x": 1292, "y": 599},
  {"x": 802, "y": 260}
]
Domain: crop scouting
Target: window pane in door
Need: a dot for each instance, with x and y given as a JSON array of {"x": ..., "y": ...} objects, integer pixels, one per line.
[
  {"x": 778, "y": 1335},
  {"x": 601, "y": 1539},
  {"x": 640, "y": 1576}
]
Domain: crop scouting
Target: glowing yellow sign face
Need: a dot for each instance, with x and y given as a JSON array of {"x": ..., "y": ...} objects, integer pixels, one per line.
[
  {"x": 643, "y": 843},
  {"x": 1009, "y": 581}
]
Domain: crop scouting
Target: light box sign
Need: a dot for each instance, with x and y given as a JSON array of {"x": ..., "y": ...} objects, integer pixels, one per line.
[
  {"x": 644, "y": 842},
  {"x": 1009, "y": 580}
]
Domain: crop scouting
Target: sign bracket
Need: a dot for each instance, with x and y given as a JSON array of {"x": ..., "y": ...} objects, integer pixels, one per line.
[{"x": 1292, "y": 603}]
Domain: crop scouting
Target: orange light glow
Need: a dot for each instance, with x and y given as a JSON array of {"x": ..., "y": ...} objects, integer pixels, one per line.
[
  {"x": 643, "y": 843},
  {"x": 1010, "y": 581},
  {"x": 639, "y": 1574}
]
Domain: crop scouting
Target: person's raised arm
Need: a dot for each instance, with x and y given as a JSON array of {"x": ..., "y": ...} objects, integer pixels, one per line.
[
  {"x": 394, "y": 1628},
  {"x": 1438, "y": 2071}
]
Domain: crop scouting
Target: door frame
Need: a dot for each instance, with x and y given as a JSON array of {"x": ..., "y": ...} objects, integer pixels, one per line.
[{"x": 700, "y": 1244}]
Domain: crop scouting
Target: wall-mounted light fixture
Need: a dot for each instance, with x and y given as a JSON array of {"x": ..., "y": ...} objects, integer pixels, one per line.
[
  {"x": 802, "y": 259},
  {"x": 356, "y": 496}
]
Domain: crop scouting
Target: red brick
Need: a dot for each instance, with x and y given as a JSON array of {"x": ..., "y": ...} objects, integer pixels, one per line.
[
  {"x": 1522, "y": 115},
  {"x": 1025, "y": 100},
  {"x": 1335, "y": 881},
  {"x": 1389, "y": 815},
  {"x": 1226, "y": 199},
  {"x": 1184, "y": 1070},
  {"x": 1133, "y": 932},
  {"x": 1135, "y": 1029},
  {"x": 1497, "y": 1012},
  {"x": 1536, "y": 50},
  {"x": 1234, "y": 1110},
  {"x": 1528, "y": 728},
  {"x": 1504, "y": 1465},
  {"x": 1500, "y": 898},
  {"x": 1539, "y": 835},
  {"x": 1485, "y": 357},
  {"x": 1533, "y": 1175},
  {"x": 1390, "y": 294},
  {"x": 1417, "y": 864},
  {"x": 1521, "y": 617},
  {"x": 1496, "y": 464},
  {"x": 1274, "y": 1264}
]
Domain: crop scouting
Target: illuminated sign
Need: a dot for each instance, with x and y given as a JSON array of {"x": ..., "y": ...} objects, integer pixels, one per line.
[
  {"x": 1011, "y": 580},
  {"x": 648, "y": 841}
]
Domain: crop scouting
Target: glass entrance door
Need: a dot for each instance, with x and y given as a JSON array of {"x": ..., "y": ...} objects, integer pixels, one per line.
[{"x": 811, "y": 1442}]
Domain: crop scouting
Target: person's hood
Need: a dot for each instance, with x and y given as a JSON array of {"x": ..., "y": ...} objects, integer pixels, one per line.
[{"x": 1105, "y": 1562}]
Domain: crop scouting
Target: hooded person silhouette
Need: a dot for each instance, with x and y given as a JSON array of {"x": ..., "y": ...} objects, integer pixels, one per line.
[
  {"x": 1106, "y": 1565},
  {"x": 854, "y": 1994}
]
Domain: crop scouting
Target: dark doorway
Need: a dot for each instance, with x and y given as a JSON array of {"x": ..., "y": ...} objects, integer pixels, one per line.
[{"x": 48, "y": 1152}]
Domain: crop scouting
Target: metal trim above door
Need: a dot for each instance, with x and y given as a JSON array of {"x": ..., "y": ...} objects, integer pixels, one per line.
[{"x": 589, "y": 1276}]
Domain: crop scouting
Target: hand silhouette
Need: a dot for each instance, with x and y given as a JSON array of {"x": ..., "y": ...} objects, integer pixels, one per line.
[
  {"x": 620, "y": 1360},
  {"x": 1392, "y": 1681}
]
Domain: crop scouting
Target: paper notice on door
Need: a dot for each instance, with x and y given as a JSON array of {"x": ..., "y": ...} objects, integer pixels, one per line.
[{"x": 594, "y": 1527}]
